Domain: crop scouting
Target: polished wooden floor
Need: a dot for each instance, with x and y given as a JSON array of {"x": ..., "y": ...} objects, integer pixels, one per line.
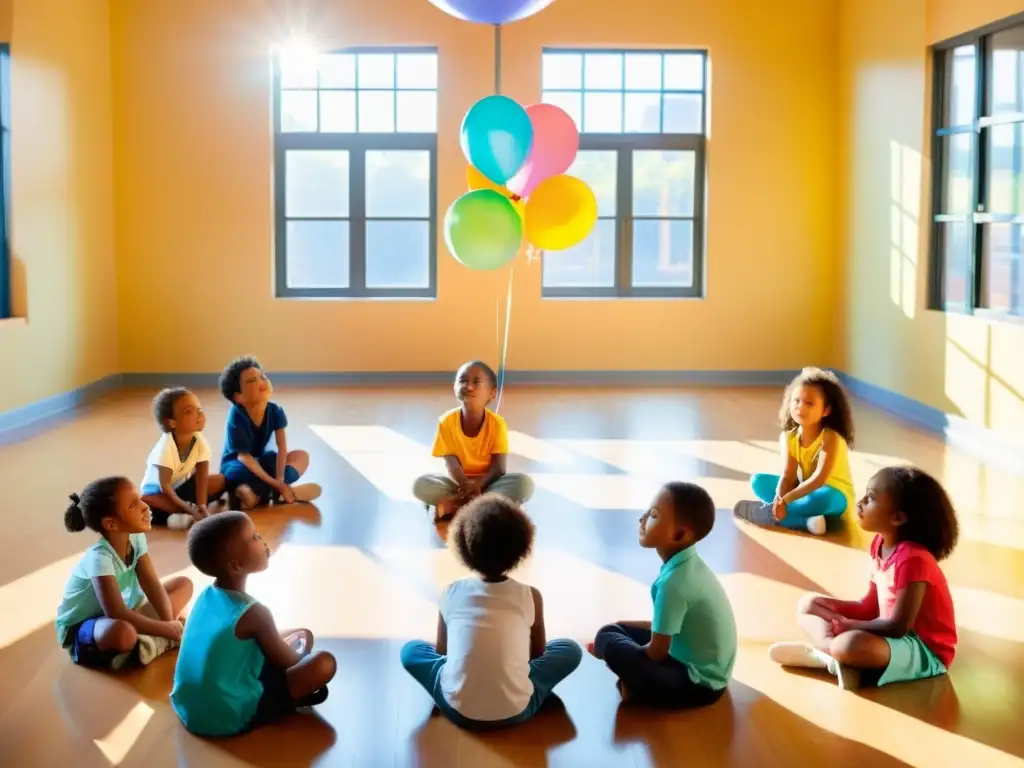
[{"x": 363, "y": 570}]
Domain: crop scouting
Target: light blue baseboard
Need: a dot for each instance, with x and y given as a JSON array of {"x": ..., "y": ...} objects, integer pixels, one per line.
[
  {"x": 20, "y": 422},
  {"x": 994, "y": 448}
]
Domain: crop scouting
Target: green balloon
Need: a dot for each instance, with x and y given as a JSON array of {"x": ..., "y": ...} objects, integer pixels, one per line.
[{"x": 482, "y": 230}]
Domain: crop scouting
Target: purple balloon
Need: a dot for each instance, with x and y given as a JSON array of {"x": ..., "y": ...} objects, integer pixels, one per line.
[{"x": 492, "y": 11}]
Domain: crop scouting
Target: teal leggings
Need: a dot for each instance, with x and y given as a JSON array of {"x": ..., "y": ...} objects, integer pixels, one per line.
[{"x": 825, "y": 501}]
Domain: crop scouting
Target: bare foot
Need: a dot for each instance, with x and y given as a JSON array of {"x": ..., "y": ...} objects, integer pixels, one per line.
[{"x": 247, "y": 497}]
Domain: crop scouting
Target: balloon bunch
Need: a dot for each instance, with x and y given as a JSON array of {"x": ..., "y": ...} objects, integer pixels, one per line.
[{"x": 518, "y": 188}]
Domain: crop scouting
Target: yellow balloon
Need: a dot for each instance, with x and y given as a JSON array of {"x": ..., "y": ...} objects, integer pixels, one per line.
[
  {"x": 560, "y": 213},
  {"x": 476, "y": 180}
]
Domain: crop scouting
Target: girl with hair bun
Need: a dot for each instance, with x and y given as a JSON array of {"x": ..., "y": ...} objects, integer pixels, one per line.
[{"x": 114, "y": 603}]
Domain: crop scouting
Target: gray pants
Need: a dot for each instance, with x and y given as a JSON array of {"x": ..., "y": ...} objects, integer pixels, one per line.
[{"x": 430, "y": 489}]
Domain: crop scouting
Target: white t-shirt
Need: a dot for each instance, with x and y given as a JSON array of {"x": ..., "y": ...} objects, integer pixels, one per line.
[
  {"x": 486, "y": 676},
  {"x": 80, "y": 601},
  {"x": 165, "y": 454}
]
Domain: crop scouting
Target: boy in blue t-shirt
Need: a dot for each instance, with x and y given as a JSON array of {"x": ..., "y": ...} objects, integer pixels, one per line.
[
  {"x": 255, "y": 473},
  {"x": 685, "y": 656}
]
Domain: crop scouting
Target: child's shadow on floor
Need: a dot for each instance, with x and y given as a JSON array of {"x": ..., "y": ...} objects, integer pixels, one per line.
[{"x": 524, "y": 744}]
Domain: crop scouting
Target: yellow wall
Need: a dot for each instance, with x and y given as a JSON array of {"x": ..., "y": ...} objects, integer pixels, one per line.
[
  {"x": 62, "y": 225},
  {"x": 962, "y": 365},
  {"x": 193, "y": 170}
]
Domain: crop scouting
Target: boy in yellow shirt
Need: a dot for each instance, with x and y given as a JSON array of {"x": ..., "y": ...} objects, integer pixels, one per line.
[{"x": 473, "y": 441}]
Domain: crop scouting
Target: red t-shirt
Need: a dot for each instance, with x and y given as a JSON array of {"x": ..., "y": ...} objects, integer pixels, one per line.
[{"x": 935, "y": 623}]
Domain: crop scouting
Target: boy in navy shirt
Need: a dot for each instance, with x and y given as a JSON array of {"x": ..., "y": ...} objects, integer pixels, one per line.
[{"x": 256, "y": 473}]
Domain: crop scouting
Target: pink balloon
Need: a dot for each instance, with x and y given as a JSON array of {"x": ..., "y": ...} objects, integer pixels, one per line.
[{"x": 556, "y": 140}]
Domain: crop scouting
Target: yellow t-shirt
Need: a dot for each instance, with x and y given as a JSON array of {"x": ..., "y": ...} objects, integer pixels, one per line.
[
  {"x": 807, "y": 458},
  {"x": 473, "y": 453}
]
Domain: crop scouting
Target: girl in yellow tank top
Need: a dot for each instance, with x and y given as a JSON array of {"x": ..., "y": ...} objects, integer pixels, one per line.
[{"x": 816, "y": 482}]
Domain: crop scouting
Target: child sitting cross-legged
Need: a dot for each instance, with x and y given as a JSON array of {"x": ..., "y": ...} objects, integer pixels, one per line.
[
  {"x": 904, "y": 628},
  {"x": 473, "y": 441},
  {"x": 492, "y": 665},
  {"x": 256, "y": 473},
  {"x": 178, "y": 483},
  {"x": 114, "y": 603},
  {"x": 684, "y": 657},
  {"x": 235, "y": 670}
]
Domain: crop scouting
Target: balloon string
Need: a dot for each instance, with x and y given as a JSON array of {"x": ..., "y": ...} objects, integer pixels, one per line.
[
  {"x": 498, "y": 58},
  {"x": 504, "y": 346}
]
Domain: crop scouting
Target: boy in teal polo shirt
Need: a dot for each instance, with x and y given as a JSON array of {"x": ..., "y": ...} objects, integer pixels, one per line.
[{"x": 684, "y": 657}]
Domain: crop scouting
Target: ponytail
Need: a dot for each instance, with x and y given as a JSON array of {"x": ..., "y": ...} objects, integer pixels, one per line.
[
  {"x": 74, "y": 520},
  {"x": 95, "y": 504}
]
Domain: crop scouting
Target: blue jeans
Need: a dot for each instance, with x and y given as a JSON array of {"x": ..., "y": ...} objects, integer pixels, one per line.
[
  {"x": 825, "y": 501},
  {"x": 560, "y": 659},
  {"x": 236, "y": 474}
]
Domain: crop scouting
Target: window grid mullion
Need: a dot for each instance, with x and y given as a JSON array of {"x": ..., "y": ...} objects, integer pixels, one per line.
[
  {"x": 979, "y": 199},
  {"x": 357, "y": 224},
  {"x": 624, "y": 211}
]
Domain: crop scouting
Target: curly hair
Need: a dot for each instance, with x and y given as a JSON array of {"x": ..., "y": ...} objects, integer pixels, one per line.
[
  {"x": 931, "y": 520},
  {"x": 164, "y": 402},
  {"x": 95, "y": 504},
  {"x": 208, "y": 539},
  {"x": 694, "y": 507},
  {"x": 840, "y": 416},
  {"x": 231, "y": 377},
  {"x": 488, "y": 371},
  {"x": 492, "y": 535}
]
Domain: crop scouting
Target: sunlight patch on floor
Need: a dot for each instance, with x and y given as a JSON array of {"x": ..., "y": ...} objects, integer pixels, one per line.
[
  {"x": 630, "y": 492},
  {"x": 818, "y": 700},
  {"x": 340, "y": 592},
  {"x": 30, "y": 602},
  {"x": 116, "y": 745}
]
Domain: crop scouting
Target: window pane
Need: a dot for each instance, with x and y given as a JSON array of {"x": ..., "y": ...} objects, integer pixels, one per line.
[
  {"x": 376, "y": 70},
  {"x": 298, "y": 68},
  {"x": 663, "y": 253},
  {"x": 398, "y": 184},
  {"x": 337, "y": 111},
  {"x": 1006, "y": 89},
  {"x": 599, "y": 170},
  {"x": 298, "y": 111},
  {"x": 958, "y": 173},
  {"x": 1005, "y": 171},
  {"x": 683, "y": 113},
  {"x": 603, "y": 71},
  {"x": 317, "y": 254},
  {"x": 338, "y": 70},
  {"x": 663, "y": 183},
  {"x": 376, "y": 111},
  {"x": 417, "y": 70},
  {"x": 956, "y": 254},
  {"x": 417, "y": 111},
  {"x": 960, "y": 86},
  {"x": 643, "y": 112},
  {"x": 572, "y": 103},
  {"x": 1002, "y": 279},
  {"x": 602, "y": 112},
  {"x": 562, "y": 70},
  {"x": 684, "y": 72},
  {"x": 397, "y": 254},
  {"x": 643, "y": 71},
  {"x": 316, "y": 183},
  {"x": 591, "y": 264}
]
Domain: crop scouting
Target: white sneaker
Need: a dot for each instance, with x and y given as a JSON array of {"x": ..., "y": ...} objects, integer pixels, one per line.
[
  {"x": 816, "y": 525},
  {"x": 151, "y": 647},
  {"x": 306, "y": 492},
  {"x": 807, "y": 657},
  {"x": 179, "y": 521}
]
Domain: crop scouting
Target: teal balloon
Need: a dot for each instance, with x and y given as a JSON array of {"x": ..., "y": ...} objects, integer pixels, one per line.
[
  {"x": 497, "y": 137},
  {"x": 482, "y": 230}
]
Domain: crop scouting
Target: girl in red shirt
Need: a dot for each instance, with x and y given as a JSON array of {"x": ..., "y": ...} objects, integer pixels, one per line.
[{"x": 904, "y": 628}]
